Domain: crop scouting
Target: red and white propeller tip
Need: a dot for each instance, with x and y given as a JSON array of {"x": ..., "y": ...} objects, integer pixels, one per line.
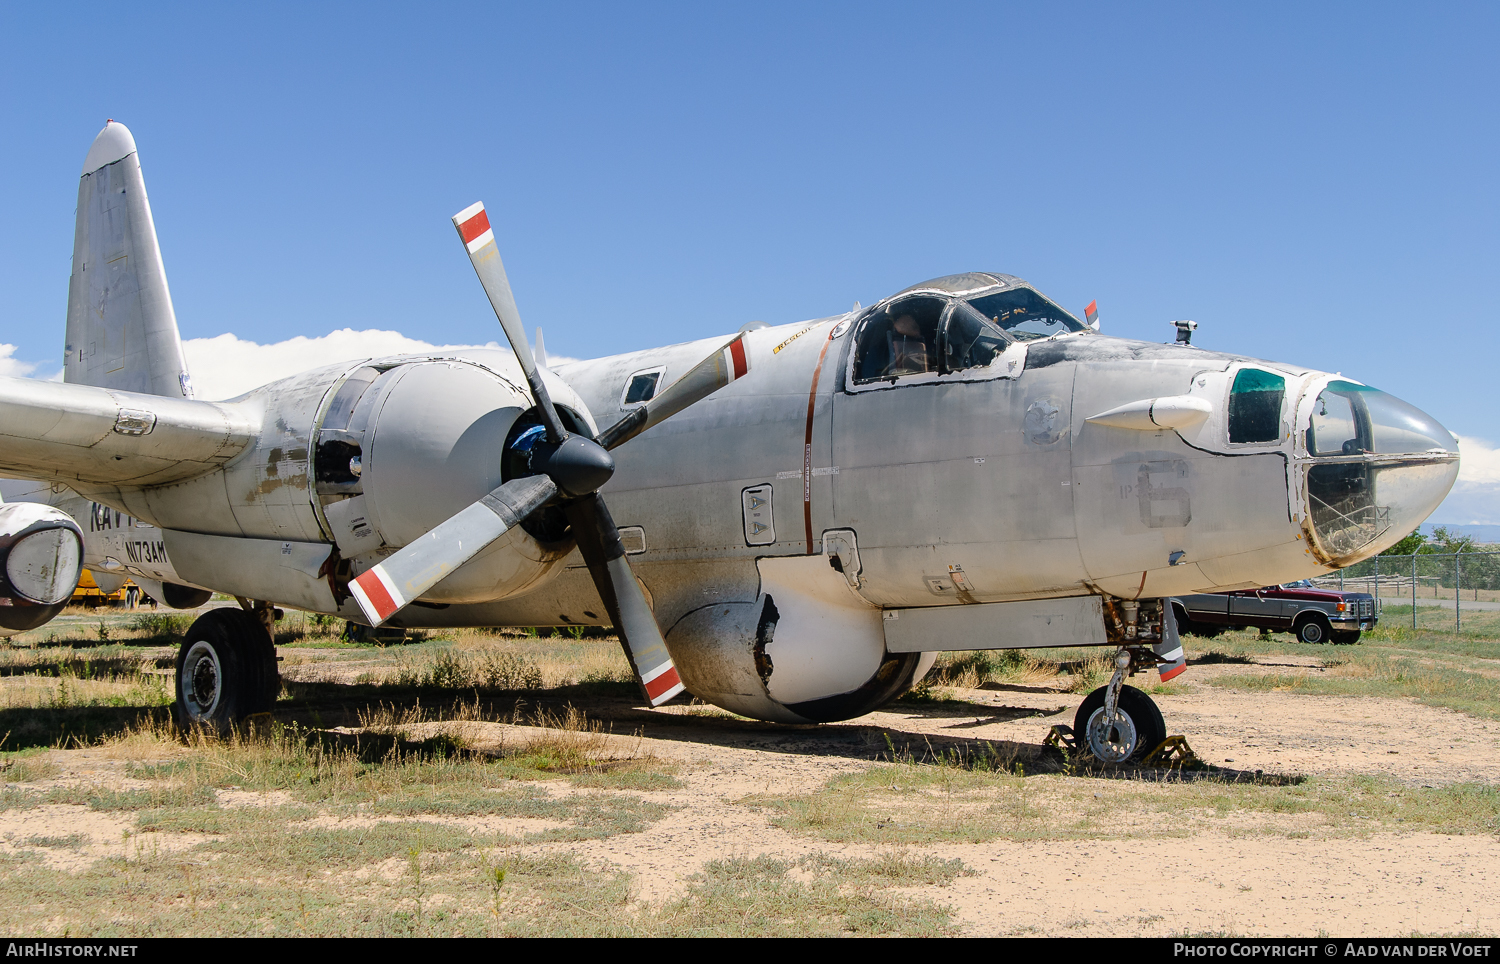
[{"x": 474, "y": 227}]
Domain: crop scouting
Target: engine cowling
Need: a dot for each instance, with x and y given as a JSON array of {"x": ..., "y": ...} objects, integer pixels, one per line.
[
  {"x": 431, "y": 438},
  {"x": 41, "y": 558}
]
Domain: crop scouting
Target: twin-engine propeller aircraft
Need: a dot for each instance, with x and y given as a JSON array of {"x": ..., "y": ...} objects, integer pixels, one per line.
[{"x": 798, "y": 519}]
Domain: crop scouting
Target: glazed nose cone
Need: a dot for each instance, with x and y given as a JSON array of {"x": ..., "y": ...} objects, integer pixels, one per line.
[{"x": 1380, "y": 467}]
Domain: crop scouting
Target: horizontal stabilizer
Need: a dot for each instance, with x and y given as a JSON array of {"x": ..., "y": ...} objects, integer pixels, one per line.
[{"x": 59, "y": 432}]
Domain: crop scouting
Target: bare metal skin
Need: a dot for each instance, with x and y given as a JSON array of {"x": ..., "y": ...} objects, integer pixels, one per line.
[{"x": 963, "y": 465}]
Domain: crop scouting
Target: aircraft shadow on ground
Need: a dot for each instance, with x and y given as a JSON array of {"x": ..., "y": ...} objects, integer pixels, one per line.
[{"x": 318, "y": 709}]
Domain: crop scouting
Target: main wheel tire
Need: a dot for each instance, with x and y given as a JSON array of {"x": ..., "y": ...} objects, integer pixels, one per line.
[
  {"x": 226, "y": 671},
  {"x": 1345, "y": 637},
  {"x": 1140, "y": 731},
  {"x": 1314, "y": 629}
]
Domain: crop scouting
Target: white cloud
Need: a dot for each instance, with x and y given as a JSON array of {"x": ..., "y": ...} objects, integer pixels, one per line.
[
  {"x": 1470, "y": 503},
  {"x": 1475, "y": 499},
  {"x": 13, "y": 367},
  {"x": 226, "y": 365},
  {"x": 1479, "y": 460}
]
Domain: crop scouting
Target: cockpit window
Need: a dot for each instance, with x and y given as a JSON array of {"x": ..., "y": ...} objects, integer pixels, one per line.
[
  {"x": 969, "y": 341},
  {"x": 1352, "y": 419},
  {"x": 900, "y": 340},
  {"x": 1333, "y": 430},
  {"x": 1255, "y": 406},
  {"x": 1024, "y": 315}
]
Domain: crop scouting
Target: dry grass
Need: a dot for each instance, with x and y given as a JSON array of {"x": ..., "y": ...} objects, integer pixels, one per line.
[
  {"x": 399, "y": 829},
  {"x": 996, "y": 669},
  {"x": 913, "y": 804},
  {"x": 818, "y": 895},
  {"x": 49, "y": 680},
  {"x": 480, "y": 659}
]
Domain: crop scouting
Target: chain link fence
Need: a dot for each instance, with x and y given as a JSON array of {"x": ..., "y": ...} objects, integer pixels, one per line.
[{"x": 1446, "y": 591}]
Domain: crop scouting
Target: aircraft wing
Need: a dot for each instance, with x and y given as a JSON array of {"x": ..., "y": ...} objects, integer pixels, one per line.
[{"x": 63, "y": 432}]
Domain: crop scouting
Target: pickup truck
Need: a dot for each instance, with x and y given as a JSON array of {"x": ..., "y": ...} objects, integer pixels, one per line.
[{"x": 1314, "y": 615}]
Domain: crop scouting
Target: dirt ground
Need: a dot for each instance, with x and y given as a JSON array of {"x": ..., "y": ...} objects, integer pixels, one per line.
[
  {"x": 1235, "y": 872},
  {"x": 1385, "y": 884}
]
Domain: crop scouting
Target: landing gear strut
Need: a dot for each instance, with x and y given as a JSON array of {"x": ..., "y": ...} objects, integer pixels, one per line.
[{"x": 1116, "y": 722}]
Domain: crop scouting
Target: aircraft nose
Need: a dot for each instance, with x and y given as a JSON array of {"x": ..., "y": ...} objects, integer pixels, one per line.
[{"x": 1377, "y": 467}]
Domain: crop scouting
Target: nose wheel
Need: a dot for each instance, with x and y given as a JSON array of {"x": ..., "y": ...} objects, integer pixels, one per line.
[
  {"x": 1119, "y": 723},
  {"x": 1136, "y": 730}
]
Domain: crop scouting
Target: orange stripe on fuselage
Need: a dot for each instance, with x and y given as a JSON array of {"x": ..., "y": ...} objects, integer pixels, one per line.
[{"x": 812, "y": 399}]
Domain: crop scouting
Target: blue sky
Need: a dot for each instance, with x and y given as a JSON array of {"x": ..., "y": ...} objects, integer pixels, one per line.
[{"x": 1311, "y": 182}]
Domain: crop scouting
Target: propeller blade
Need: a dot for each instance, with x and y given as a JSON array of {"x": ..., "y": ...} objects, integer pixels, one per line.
[
  {"x": 420, "y": 565},
  {"x": 473, "y": 226},
  {"x": 599, "y": 542},
  {"x": 730, "y": 362}
]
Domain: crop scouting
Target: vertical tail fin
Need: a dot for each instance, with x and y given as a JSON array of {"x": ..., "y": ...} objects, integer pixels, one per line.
[{"x": 122, "y": 331}]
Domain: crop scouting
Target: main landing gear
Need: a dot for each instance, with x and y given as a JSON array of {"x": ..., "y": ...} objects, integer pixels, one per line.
[{"x": 226, "y": 668}]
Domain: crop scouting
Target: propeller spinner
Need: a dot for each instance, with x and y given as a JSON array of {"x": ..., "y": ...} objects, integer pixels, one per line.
[{"x": 568, "y": 470}]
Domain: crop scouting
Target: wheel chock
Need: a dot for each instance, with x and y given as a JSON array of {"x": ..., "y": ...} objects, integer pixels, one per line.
[
  {"x": 1062, "y": 737},
  {"x": 259, "y": 723},
  {"x": 1173, "y": 752}
]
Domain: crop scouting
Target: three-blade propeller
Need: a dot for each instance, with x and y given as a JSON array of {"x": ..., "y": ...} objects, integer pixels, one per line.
[{"x": 568, "y": 471}]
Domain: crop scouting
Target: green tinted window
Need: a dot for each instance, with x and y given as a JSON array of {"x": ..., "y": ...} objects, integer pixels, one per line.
[{"x": 1255, "y": 406}]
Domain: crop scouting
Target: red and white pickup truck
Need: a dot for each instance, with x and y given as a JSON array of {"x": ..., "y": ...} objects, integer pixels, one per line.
[{"x": 1314, "y": 615}]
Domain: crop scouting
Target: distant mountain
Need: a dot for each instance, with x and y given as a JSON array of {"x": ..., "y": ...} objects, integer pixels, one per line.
[{"x": 1478, "y": 533}]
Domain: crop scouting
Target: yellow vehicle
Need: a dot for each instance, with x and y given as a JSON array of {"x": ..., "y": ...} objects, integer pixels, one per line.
[{"x": 89, "y": 592}]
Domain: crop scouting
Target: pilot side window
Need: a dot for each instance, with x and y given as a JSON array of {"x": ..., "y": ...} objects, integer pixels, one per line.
[
  {"x": 969, "y": 341},
  {"x": 1255, "y": 406},
  {"x": 900, "y": 340}
]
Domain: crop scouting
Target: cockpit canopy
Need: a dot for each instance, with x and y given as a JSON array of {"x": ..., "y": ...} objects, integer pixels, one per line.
[{"x": 951, "y": 324}]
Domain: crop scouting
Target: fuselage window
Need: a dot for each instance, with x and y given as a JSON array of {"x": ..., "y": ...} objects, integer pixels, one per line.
[
  {"x": 1255, "y": 406},
  {"x": 642, "y": 388},
  {"x": 1024, "y": 315},
  {"x": 900, "y": 340}
]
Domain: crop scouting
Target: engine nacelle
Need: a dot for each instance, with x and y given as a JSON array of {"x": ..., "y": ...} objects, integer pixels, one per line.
[
  {"x": 41, "y": 558},
  {"x": 808, "y": 649},
  {"x": 421, "y": 442}
]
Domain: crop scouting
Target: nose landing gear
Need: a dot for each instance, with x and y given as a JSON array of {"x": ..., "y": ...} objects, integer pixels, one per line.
[
  {"x": 1134, "y": 730},
  {"x": 1119, "y": 723}
]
